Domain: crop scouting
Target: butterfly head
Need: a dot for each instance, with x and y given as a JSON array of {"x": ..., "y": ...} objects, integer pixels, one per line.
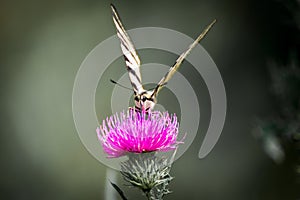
[{"x": 144, "y": 101}]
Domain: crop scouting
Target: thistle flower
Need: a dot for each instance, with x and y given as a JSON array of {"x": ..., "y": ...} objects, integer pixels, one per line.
[
  {"x": 149, "y": 173},
  {"x": 137, "y": 132}
]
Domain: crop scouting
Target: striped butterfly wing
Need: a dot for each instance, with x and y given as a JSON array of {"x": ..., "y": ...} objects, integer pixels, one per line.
[
  {"x": 179, "y": 61},
  {"x": 131, "y": 58}
]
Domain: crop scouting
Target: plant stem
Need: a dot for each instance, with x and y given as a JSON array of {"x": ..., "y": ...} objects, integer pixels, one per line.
[{"x": 148, "y": 195}]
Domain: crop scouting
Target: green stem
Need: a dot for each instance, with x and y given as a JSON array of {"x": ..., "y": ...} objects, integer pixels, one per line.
[{"x": 148, "y": 195}]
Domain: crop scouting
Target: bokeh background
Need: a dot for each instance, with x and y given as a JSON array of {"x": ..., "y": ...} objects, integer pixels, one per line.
[{"x": 42, "y": 46}]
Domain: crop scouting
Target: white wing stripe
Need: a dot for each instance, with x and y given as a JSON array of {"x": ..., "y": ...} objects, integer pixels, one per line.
[{"x": 125, "y": 40}]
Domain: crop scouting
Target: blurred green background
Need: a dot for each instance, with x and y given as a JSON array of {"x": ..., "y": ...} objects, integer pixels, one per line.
[{"x": 42, "y": 46}]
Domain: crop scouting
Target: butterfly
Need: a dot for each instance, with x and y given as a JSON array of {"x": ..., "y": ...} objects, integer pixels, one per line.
[{"x": 145, "y": 100}]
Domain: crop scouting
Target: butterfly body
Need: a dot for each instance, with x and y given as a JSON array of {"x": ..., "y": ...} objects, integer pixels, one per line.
[{"x": 145, "y": 100}]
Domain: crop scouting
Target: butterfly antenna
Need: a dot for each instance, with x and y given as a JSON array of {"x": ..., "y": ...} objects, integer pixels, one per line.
[{"x": 116, "y": 83}]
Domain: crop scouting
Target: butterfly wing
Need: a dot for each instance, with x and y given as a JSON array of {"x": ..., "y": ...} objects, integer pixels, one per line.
[
  {"x": 180, "y": 59},
  {"x": 131, "y": 58}
]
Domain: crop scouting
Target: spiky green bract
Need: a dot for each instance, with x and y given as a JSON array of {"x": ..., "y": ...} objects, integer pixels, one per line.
[{"x": 149, "y": 173}]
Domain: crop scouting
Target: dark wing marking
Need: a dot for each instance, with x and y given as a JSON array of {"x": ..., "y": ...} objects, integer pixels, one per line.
[
  {"x": 131, "y": 58},
  {"x": 181, "y": 58}
]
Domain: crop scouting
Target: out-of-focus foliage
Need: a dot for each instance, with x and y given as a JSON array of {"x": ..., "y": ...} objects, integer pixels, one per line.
[{"x": 279, "y": 133}]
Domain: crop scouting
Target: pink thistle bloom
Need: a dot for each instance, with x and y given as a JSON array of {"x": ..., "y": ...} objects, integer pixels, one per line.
[{"x": 138, "y": 133}]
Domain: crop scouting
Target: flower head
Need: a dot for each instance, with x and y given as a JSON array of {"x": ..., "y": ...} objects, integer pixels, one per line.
[{"x": 138, "y": 133}]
